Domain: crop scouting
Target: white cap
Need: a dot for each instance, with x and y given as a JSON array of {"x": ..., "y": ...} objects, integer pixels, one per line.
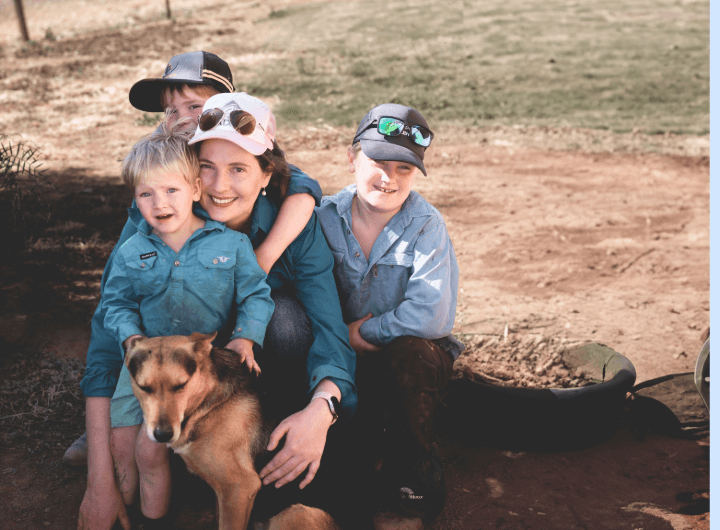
[{"x": 256, "y": 142}]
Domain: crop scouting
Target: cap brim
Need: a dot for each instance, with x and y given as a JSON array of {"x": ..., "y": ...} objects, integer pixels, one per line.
[
  {"x": 386, "y": 151},
  {"x": 145, "y": 94},
  {"x": 250, "y": 145}
]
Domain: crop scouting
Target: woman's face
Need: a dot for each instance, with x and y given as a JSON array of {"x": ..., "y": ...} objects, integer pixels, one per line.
[{"x": 231, "y": 182}]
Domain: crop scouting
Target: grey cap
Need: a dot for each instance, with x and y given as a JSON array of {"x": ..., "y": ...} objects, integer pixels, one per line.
[
  {"x": 192, "y": 68},
  {"x": 391, "y": 148}
]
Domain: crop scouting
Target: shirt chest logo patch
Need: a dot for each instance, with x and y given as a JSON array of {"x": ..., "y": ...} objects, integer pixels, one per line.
[
  {"x": 222, "y": 259},
  {"x": 148, "y": 255}
]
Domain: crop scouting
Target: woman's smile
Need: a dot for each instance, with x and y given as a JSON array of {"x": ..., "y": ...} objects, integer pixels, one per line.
[{"x": 221, "y": 202}]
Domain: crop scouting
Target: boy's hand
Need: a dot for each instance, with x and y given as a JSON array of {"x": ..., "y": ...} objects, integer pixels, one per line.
[
  {"x": 360, "y": 345},
  {"x": 244, "y": 348}
]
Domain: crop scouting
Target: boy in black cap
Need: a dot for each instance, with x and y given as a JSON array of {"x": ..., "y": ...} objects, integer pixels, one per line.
[{"x": 397, "y": 277}]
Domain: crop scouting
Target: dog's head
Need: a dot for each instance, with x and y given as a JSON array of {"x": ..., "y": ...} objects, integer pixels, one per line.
[{"x": 169, "y": 378}]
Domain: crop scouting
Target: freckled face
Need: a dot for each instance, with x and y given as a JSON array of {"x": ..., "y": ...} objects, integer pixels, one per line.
[
  {"x": 231, "y": 182},
  {"x": 381, "y": 186}
]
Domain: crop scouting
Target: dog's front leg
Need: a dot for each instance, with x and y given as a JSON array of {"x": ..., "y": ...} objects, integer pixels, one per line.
[{"x": 235, "y": 501}]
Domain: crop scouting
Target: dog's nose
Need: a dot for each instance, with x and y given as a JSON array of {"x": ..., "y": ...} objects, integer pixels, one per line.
[{"x": 162, "y": 436}]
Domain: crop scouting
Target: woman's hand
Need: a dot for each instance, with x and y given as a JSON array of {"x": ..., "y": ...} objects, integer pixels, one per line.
[
  {"x": 305, "y": 433},
  {"x": 102, "y": 505},
  {"x": 360, "y": 345},
  {"x": 244, "y": 348}
]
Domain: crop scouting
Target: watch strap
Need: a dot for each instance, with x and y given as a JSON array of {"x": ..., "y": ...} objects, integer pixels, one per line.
[{"x": 328, "y": 397}]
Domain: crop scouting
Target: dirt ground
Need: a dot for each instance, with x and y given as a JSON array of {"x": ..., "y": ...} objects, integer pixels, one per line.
[{"x": 563, "y": 234}]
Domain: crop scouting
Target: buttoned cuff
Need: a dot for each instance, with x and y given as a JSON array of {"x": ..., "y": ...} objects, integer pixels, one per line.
[
  {"x": 370, "y": 331},
  {"x": 253, "y": 330},
  {"x": 348, "y": 394}
]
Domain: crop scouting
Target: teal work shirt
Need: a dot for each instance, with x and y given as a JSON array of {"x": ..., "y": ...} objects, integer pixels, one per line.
[{"x": 154, "y": 291}]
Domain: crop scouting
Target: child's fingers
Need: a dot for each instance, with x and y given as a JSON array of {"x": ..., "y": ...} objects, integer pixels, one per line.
[{"x": 256, "y": 367}]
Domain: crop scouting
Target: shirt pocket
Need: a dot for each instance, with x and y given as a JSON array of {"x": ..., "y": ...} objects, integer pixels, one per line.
[
  {"x": 392, "y": 272},
  {"x": 216, "y": 273},
  {"x": 145, "y": 275}
]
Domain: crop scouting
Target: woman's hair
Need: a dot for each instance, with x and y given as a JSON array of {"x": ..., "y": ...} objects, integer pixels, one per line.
[
  {"x": 163, "y": 149},
  {"x": 280, "y": 179}
]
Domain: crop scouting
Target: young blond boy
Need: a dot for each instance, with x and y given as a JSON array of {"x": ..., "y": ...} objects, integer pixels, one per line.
[
  {"x": 397, "y": 277},
  {"x": 188, "y": 81},
  {"x": 180, "y": 273}
]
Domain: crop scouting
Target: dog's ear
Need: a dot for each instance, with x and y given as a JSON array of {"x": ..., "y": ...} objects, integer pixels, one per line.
[
  {"x": 131, "y": 345},
  {"x": 203, "y": 341}
]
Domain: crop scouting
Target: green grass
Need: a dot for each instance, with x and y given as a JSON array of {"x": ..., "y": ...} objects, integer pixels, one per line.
[{"x": 614, "y": 65}]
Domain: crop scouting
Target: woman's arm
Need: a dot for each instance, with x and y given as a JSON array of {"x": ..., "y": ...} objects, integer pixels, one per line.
[
  {"x": 102, "y": 504},
  {"x": 330, "y": 365}
]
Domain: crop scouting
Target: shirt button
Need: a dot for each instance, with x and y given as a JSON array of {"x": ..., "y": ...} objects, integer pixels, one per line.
[
  {"x": 215, "y": 261},
  {"x": 142, "y": 265},
  {"x": 348, "y": 231},
  {"x": 177, "y": 263},
  {"x": 314, "y": 377},
  {"x": 357, "y": 254},
  {"x": 239, "y": 329}
]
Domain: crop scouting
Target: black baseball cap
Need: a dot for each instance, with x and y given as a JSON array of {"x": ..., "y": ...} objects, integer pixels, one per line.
[
  {"x": 193, "y": 68},
  {"x": 391, "y": 148}
]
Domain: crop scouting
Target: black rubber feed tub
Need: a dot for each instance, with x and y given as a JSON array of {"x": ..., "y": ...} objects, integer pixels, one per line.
[{"x": 556, "y": 419}]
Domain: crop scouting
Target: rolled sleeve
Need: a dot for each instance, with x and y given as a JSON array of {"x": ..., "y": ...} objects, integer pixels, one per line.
[
  {"x": 301, "y": 183},
  {"x": 428, "y": 310}
]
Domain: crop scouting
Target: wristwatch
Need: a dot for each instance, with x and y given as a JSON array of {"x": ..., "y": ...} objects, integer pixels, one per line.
[{"x": 332, "y": 402}]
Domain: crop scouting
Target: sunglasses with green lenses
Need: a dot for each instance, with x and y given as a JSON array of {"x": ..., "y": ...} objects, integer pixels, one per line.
[{"x": 395, "y": 127}]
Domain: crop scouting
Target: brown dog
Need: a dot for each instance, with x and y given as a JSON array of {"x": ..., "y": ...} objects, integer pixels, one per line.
[{"x": 204, "y": 403}]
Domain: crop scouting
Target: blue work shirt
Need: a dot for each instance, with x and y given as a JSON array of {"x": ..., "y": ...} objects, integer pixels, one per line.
[
  {"x": 410, "y": 281},
  {"x": 296, "y": 266},
  {"x": 154, "y": 291}
]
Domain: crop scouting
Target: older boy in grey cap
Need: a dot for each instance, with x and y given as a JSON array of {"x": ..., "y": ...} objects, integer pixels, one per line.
[{"x": 397, "y": 276}]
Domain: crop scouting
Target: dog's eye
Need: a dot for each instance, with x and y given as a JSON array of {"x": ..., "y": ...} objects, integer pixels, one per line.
[
  {"x": 146, "y": 389},
  {"x": 178, "y": 388}
]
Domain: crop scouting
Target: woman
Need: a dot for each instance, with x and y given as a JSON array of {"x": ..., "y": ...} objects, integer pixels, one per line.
[{"x": 240, "y": 169}]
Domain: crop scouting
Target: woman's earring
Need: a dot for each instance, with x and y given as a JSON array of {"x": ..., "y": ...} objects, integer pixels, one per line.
[{"x": 263, "y": 192}]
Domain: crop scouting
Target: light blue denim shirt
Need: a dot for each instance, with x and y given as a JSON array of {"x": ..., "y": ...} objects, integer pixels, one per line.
[
  {"x": 154, "y": 291},
  {"x": 410, "y": 282}
]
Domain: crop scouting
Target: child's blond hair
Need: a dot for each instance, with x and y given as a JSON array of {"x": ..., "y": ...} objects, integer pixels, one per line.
[{"x": 163, "y": 149}]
